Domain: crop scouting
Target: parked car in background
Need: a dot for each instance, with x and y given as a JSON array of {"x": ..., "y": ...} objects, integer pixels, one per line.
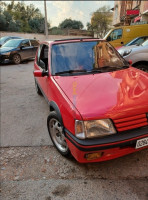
[
  {"x": 119, "y": 36},
  {"x": 3, "y": 40},
  {"x": 98, "y": 103},
  {"x": 137, "y": 41},
  {"x": 18, "y": 50},
  {"x": 137, "y": 54}
]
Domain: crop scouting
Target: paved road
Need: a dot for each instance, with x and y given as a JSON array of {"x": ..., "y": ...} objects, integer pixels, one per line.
[
  {"x": 31, "y": 168},
  {"x": 24, "y": 113}
]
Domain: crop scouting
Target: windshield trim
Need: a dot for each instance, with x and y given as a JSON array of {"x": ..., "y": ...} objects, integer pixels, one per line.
[{"x": 117, "y": 55}]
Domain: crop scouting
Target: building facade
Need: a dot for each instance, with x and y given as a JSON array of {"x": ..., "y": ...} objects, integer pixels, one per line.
[{"x": 130, "y": 12}]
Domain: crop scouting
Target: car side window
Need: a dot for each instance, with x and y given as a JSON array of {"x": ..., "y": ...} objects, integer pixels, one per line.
[
  {"x": 25, "y": 43},
  {"x": 34, "y": 43},
  {"x": 42, "y": 59},
  {"x": 116, "y": 34}
]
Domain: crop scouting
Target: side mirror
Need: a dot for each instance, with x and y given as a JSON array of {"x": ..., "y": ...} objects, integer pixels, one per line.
[
  {"x": 108, "y": 38},
  {"x": 39, "y": 73},
  {"x": 130, "y": 62},
  {"x": 22, "y": 47}
]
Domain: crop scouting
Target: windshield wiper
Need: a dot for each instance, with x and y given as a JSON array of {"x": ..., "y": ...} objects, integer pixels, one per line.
[
  {"x": 125, "y": 67},
  {"x": 113, "y": 68},
  {"x": 95, "y": 71},
  {"x": 71, "y": 71}
]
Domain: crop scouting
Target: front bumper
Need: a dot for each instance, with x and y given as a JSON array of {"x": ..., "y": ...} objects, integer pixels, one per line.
[
  {"x": 4, "y": 57},
  {"x": 108, "y": 148}
]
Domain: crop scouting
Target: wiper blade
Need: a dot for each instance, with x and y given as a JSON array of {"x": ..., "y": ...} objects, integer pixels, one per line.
[
  {"x": 95, "y": 71},
  {"x": 113, "y": 68},
  {"x": 71, "y": 71},
  {"x": 125, "y": 67}
]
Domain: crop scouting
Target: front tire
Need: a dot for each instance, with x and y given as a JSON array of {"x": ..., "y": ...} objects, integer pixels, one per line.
[
  {"x": 56, "y": 133},
  {"x": 16, "y": 59}
]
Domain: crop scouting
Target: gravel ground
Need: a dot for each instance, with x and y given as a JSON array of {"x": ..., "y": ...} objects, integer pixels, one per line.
[{"x": 32, "y": 169}]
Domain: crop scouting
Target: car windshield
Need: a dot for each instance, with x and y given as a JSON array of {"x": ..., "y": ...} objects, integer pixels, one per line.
[
  {"x": 132, "y": 42},
  {"x": 94, "y": 56},
  {"x": 12, "y": 43},
  {"x": 145, "y": 43},
  {"x": 2, "y": 40}
]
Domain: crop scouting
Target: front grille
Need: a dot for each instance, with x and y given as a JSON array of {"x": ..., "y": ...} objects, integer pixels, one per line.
[{"x": 132, "y": 122}]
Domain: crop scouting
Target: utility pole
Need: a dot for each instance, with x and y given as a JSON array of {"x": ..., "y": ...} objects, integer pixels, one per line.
[{"x": 46, "y": 28}]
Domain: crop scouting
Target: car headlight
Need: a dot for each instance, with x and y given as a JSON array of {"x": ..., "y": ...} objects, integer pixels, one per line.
[
  {"x": 6, "y": 53},
  {"x": 94, "y": 128},
  {"x": 127, "y": 52}
]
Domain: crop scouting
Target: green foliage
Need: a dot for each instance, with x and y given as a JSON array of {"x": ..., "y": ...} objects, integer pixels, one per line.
[
  {"x": 71, "y": 24},
  {"x": 2, "y": 22},
  {"x": 37, "y": 25},
  {"x": 21, "y": 18},
  {"x": 89, "y": 26},
  {"x": 100, "y": 21}
]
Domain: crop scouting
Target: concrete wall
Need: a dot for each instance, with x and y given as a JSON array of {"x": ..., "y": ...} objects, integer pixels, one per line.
[{"x": 40, "y": 37}]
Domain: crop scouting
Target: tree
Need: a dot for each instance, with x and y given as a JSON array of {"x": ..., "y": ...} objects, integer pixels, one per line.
[
  {"x": 2, "y": 23},
  {"x": 37, "y": 25},
  {"x": 89, "y": 26},
  {"x": 21, "y": 18},
  {"x": 100, "y": 21},
  {"x": 71, "y": 24},
  {"x": 7, "y": 16}
]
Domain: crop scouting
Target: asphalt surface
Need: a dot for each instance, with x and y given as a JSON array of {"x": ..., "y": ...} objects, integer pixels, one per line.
[{"x": 31, "y": 168}]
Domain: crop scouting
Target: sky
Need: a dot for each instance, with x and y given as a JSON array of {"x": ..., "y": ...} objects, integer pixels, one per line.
[{"x": 57, "y": 11}]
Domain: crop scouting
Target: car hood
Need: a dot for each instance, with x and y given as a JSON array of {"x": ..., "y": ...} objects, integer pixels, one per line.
[
  {"x": 107, "y": 95},
  {"x": 7, "y": 49}
]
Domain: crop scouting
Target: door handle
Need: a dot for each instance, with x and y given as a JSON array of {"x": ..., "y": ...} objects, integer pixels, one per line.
[{"x": 122, "y": 42}]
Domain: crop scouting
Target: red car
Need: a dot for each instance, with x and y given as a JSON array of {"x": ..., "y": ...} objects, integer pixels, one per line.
[{"x": 98, "y": 103}]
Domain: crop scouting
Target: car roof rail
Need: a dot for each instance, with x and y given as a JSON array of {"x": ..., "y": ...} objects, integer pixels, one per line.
[{"x": 77, "y": 39}]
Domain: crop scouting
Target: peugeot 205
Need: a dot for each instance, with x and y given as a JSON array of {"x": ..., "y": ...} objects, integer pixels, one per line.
[{"x": 98, "y": 102}]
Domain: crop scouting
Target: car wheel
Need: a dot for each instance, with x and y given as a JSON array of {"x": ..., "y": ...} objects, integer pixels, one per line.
[
  {"x": 16, "y": 59},
  {"x": 56, "y": 133},
  {"x": 37, "y": 88},
  {"x": 143, "y": 67}
]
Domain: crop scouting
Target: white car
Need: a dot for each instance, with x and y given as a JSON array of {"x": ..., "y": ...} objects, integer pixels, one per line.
[{"x": 137, "y": 54}]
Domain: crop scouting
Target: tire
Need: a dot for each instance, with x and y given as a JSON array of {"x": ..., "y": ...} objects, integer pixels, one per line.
[
  {"x": 16, "y": 59},
  {"x": 142, "y": 66},
  {"x": 38, "y": 89},
  {"x": 56, "y": 134}
]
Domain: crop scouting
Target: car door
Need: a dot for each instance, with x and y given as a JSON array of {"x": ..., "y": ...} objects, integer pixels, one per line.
[
  {"x": 34, "y": 44},
  {"x": 41, "y": 63},
  {"x": 26, "y": 50}
]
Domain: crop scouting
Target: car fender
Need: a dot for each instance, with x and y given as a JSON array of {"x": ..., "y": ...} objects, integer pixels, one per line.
[
  {"x": 54, "y": 106},
  {"x": 138, "y": 56}
]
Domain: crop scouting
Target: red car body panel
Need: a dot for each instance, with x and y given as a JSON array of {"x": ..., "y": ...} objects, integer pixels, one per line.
[
  {"x": 114, "y": 95},
  {"x": 107, "y": 154},
  {"x": 107, "y": 95}
]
